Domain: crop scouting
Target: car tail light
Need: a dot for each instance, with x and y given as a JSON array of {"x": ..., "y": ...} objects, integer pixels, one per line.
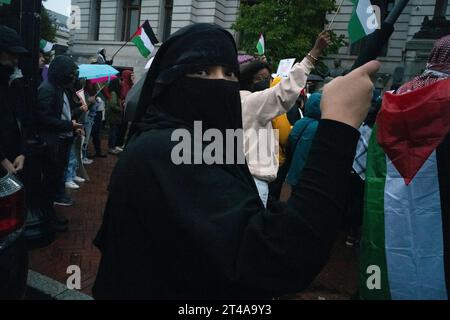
[{"x": 12, "y": 205}]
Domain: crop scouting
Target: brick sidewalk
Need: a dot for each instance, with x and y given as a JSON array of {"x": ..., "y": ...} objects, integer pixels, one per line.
[
  {"x": 337, "y": 281},
  {"x": 75, "y": 247}
]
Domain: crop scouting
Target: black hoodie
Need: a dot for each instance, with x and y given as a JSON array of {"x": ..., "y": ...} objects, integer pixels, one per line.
[
  {"x": 51, "y": 100},
  {"x": 201, "y": 231},
  {"x": 11, "y": 140}
]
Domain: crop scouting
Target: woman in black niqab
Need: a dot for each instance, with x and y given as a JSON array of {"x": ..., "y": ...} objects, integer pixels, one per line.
[
  {"x": 201, "y": 231},
  {"x": 170, "y": 96}
]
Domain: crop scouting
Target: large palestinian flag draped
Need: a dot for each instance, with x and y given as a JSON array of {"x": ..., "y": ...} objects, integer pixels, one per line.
[{"x": 405, "y": 247}]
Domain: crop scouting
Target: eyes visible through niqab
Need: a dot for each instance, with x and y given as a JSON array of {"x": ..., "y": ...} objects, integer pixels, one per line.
[{"x": 213, "y": 73}]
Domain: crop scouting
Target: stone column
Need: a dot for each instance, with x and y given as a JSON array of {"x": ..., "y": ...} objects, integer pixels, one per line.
[
  {"x": 440, "y": 9},
  {"x": 438, "y": 26},
  {"x": 419, "y": 48}
]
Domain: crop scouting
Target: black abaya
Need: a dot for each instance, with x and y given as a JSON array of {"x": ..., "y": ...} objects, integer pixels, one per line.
[
  {"x": 201, "y": 231},
  {"x": 198, "y": 231}
]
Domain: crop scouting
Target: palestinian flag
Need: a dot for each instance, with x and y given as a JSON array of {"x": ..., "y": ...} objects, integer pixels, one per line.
[
  {"x": 260, "y": 46},
  {"x": 363, "y": 21},
  {"x": 405, "y": 245},
  {"x": 144, "y": 39},
  {"x": 45, "y": 46}
]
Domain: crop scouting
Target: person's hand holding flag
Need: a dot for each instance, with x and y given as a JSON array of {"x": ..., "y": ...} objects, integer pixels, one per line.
[{"x": 322, "y": 42}]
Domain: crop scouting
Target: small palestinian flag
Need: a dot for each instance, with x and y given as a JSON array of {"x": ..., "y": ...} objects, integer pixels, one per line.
[
  {"x": 405, "y": 245},
  {"x": 363, "y": 21},
  {"x": 45, "y": 46},
  {"x": 260, "y": 45},
  {"x": 144, "y": 39}
]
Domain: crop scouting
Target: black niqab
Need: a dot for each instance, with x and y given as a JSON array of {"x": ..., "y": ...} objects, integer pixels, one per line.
[
  {"x": 168, "y": 99},
  {"x": 216, "y": 103}
]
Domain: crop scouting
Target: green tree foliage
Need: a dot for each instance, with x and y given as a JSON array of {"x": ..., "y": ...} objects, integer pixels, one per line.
[
  {"x": 290, "y": 27},
  {"x": 48, "y": 28},
  {"x": 10, "y": 16}
]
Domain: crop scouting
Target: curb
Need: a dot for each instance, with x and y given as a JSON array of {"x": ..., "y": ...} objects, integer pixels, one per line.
[{"x": 49, "y": 289}]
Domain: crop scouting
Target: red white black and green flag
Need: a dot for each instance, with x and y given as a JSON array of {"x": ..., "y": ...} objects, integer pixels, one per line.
[
  {"x": 144, "y": 39},
  {"x": 406, "y": 228},
  {"x": 363, "y": 21}
]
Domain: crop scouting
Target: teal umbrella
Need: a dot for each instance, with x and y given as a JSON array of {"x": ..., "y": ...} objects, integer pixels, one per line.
[{"x": 96, "y": 71}]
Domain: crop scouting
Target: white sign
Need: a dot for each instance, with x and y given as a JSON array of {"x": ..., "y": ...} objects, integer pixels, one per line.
[
  {"x": 81, "y": 96},
  {"x": 285, "y": 67}
]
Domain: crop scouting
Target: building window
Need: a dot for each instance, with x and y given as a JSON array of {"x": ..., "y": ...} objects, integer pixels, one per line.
[
  {"x": 167, "y": 24},
  {"x": 385, "y": 8},
  {"x": 94, "y": 22},
  {"x": 95, "y": 19},
  {"x": 131, "y": 18}
]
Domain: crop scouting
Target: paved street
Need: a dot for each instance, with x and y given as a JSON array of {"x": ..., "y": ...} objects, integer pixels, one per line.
[{"x": 337, "y": 281}]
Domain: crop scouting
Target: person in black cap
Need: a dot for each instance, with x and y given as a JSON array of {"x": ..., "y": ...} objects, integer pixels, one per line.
[
  {"x": 192, "y": 231},
  {"x": 56, "y": 127},
  {"x": 12, "y": 154}
]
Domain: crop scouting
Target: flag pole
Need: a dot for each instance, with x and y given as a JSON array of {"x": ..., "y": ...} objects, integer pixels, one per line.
[
  {"x": 335, "y": 15},
  {"x": 122, "y": 46},
  {"x": 375, "y": 41},
  {"x": 100, "y": 90},
  {"x": 134, "y": 34},
  {"x": 396, "y": 11}
]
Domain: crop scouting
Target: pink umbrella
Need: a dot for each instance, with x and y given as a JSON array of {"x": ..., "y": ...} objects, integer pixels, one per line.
[{"x": 103, "y": 79}]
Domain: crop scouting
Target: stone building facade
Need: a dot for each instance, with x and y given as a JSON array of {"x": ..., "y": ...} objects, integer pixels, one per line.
[
  {"x": 397, "y": 50},
  {"x": 62, "y": 32},
  {"x": 109, "y": 23}
]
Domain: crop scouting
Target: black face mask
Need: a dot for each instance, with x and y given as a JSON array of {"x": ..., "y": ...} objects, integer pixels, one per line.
[
  {"x": 261, "y": 86},
  {"x": 67, "y": 81},
  {"x": 214, "y": 102}
]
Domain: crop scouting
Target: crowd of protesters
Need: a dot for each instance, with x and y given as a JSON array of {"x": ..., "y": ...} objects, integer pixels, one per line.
[
  {"x": 220, "y": 231},
  {"x": 225, "y": 230},
  {"x": 62, "y": 124},
  {"x": 216, "y": 221}
]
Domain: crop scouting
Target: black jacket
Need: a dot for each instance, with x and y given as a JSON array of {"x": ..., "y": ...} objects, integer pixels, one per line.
[
  {"x": 11, "y": 140},
  {"x": 198, "y": 231},
  {"x": 51, "y": 101}
]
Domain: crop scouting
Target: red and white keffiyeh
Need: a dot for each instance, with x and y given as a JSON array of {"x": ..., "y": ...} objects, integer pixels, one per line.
[{"x": 438, "y": 67}]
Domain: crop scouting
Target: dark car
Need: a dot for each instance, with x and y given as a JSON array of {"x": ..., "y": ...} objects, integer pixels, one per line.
[{"x": 13, "y": 251}]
